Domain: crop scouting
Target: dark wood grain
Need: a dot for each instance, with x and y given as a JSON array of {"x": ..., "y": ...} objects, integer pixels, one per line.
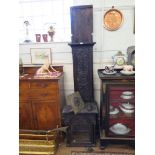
[
  {"x": 83, "y": 70},
  {"x": 82, "y": 50},
  {"x": 81, "y": 23}
]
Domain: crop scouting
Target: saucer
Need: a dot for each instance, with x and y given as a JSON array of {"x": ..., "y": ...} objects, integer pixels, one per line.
[
  {"x": 127, "y": 72},
  {"x": 110, "y": 73}
]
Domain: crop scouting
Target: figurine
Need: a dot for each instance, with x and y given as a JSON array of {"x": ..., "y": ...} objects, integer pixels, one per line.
[
  {"x": 44, "y": 69},
  {"x": 27, "y": 40},
  {"x": 51, "y": 32}
]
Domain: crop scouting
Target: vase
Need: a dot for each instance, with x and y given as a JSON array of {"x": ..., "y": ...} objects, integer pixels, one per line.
[
  {"x": 45, "y": 37},
  {"x": 38, "y": 37}
]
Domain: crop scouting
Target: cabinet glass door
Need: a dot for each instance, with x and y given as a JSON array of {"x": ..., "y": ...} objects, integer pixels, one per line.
[{"x": 120, "y": 111}]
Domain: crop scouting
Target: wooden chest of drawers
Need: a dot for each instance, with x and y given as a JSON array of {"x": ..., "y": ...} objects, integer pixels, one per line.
[{"x": 40, "y": 103}]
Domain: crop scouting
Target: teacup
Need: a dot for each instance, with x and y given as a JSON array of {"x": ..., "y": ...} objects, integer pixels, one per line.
[
  {"x": 128, "y": 68},
  {"x": 109, "y": 68}
]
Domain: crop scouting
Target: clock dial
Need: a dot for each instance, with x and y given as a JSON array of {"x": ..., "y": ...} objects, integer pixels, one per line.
[{"x": 120, "y": 61}]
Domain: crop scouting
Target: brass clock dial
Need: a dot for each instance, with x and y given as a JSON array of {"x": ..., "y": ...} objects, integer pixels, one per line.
[{"x": 120, "y": 61}]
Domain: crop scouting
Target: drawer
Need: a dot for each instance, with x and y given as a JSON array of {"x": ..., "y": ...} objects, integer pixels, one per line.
[
  {"x": 37, "y": 95},
  {"x": 43, "y": 85},
  {"x": 41, "y": 94},
  {"x": 24, "y": 85},
  {"x": 23, "y": 94}
]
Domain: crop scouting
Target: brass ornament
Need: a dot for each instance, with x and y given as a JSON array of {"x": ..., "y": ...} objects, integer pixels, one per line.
[{"x": 113, "y": 19}]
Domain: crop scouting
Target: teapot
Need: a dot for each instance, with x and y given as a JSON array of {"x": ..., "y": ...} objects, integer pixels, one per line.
[{"x": 109, "y": 68}]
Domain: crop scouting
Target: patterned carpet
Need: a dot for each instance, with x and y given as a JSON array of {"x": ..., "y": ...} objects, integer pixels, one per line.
[{"x": 99, "y": 153}]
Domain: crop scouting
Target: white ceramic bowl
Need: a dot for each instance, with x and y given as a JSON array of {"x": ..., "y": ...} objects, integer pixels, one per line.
[
  {"x": 120, "y": 129},
  {"x": 127, "y": 111},
  {"x": 127, "y": 106}
]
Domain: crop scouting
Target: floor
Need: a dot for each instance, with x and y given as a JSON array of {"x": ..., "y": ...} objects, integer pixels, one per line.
[{"x": 63, "y": 150}]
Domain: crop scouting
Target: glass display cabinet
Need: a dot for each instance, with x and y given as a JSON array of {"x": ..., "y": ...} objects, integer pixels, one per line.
[{"x": 117, "y": 109}]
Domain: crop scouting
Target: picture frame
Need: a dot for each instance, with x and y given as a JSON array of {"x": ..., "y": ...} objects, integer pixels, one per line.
[
  {"x": 40, "y": 55},
  {"x": 75, "y": 101}
]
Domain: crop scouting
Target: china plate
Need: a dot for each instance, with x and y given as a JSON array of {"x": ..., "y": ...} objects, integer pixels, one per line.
[
  {"x": 119, "y": 129},
  {"x": 127, "y": 72},
  {"x": 111, "y": 73}
]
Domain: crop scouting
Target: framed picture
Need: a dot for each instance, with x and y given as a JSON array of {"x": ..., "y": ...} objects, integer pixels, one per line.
[
  {"x": 75, "y": 101},
  {"x": 40, "y": 55}
]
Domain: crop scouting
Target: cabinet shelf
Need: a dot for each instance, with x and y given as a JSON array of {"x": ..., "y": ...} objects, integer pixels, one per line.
[
  {"x": 122, "y": 100},
  {"x": 119, "y": 116}
]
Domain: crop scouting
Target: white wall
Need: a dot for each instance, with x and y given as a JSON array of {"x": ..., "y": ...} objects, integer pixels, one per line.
[{"x": 107, "y": 42}]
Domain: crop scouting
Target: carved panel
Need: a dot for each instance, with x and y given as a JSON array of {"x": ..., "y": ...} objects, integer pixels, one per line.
[
  {"x": 81, "y": 23},
  {"x": 83, "y": 70}
]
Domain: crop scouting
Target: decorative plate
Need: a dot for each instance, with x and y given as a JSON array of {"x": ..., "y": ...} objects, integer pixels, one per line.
[{"x": 113, "y": 19}]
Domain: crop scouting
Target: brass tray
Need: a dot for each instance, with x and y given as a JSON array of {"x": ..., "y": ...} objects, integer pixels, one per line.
[{"x": 113, "y": 19}]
